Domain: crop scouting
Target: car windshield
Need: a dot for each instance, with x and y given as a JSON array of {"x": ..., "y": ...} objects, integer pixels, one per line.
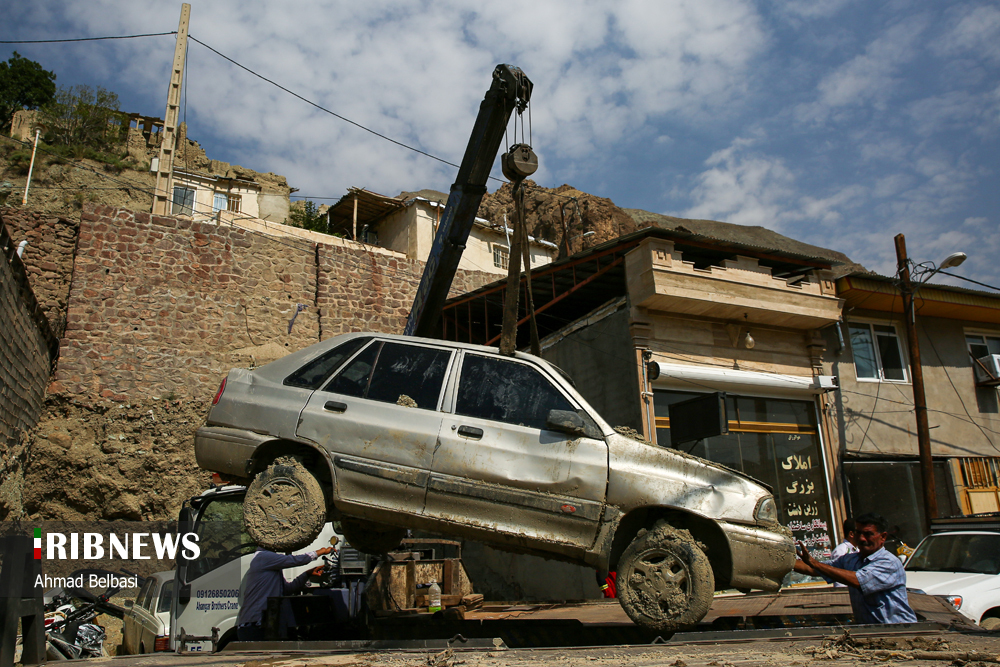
[{"x": 957, "y": 553}]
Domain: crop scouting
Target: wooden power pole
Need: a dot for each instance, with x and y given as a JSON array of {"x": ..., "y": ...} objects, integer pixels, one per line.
[
  {"x": 917, "y": 374},
  {"x": 165, "y": 165}
]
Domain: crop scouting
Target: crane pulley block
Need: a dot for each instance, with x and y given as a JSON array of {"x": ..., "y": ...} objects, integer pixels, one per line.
[{"x": 519, "y": 162}]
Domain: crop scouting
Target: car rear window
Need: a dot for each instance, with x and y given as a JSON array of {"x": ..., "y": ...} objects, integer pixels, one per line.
[
  {"x": 313, "y": 374},
  {"x": 409, "y": 375}
]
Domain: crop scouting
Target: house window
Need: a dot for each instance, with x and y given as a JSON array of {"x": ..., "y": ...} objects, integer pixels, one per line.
[
  {"x": 878, "y": 354},
  {"x": 981, "y": 345},
  {"x": 235, "y": 201},
  {"x": 501, "y": 256},
  {"x": 220, "y": 202},
  {"x": 183, "y": 201}
]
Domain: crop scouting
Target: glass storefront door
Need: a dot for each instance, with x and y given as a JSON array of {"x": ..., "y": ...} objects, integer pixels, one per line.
[{"x": 776, "y": 441}]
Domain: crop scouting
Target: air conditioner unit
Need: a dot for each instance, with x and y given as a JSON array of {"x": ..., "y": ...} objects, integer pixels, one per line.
[{"x": 991, "y": 375}]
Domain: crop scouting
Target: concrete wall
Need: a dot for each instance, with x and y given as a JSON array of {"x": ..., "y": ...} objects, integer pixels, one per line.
[
  {"x": 597, "y": 354},
  {"x": 877, "y": 418},
  {"x": 26, "y": 346}
]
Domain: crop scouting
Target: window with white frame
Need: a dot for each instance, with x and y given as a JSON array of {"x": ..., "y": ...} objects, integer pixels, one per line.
[
  {"x": 183, "y": 203},
  {"x": 501, "y": 256},
  {"x": 220, "y": 202},
  {"x": 878, "y": 352},
  {"x": 235, "y": 203},
  {"x": 981, "y": 345}
]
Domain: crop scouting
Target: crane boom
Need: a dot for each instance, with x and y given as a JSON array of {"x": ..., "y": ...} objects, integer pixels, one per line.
[{"x": 510, "y": 90}]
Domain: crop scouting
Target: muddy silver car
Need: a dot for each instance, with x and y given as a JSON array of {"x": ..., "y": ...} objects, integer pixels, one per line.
[{"x": 387, "y": 432}]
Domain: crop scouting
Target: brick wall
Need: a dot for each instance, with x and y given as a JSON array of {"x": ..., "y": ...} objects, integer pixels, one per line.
[
  {"x": 48, "y": 258},
  {"x": 163, "y": 307},
  {"x": 27, "y": 348}
]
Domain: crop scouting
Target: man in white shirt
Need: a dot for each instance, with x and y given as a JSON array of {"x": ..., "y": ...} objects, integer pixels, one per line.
[
  {"x": 848, "y": 546},
  {"x": 850, "y": 543}
]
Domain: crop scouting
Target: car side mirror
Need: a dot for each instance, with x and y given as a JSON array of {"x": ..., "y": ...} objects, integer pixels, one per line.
[
  {"x": 566, "y": 421},
  {"x": 184, "y": 594}
]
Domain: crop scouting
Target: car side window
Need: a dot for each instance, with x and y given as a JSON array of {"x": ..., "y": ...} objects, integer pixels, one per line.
[
  {"x": 507, "y": 391},
  {"x": 392, "y": 372},
  {"x": 409, "y": 372},
  {"x": 144, "y": 593},
  {"x": 353, "y": 380},
  {"x": 166, "y": 597},
  {"x": 313, "y": 374}
]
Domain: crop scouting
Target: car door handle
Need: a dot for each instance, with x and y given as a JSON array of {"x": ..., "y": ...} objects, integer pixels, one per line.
[
  {"x": 470, "y": 432},
  {"x": 335, "y": 406}
]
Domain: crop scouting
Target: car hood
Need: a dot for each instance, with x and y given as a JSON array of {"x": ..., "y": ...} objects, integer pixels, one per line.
[{"x": 952, "y": 583}]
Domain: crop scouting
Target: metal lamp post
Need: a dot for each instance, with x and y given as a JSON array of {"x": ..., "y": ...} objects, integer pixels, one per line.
[{"x": 916, "y": 371}]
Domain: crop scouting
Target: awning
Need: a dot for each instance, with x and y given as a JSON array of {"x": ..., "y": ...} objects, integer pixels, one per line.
[{"x": 690, "y": 377}]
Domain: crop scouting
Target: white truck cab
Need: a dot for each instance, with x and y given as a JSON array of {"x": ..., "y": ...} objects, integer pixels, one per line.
[{"x": 208, "y": 589}]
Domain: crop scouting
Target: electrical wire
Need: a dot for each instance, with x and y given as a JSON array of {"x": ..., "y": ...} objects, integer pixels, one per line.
[
  {"x": 84, "y": 39},
  {"x": 324, "y": 109},
  {"x": 976, "y": 282}
]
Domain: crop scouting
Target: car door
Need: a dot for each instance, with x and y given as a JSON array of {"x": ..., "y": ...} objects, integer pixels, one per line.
[
  {"x": 380, "y": 417},
  {"x": 501, "y": 469},
  {"x": 132, "y": 622}
]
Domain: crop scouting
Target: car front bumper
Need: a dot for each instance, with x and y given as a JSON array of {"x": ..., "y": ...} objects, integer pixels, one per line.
[{"x": 762, "y": 556}]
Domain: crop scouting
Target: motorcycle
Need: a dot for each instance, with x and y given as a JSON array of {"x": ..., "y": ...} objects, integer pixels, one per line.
[{"x": 71, "y": 632}]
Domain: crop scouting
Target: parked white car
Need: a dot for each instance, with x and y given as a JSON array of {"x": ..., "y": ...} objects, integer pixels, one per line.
[
  {"x": 146, "y": 624},
  {"x": 964, "y": 568}
]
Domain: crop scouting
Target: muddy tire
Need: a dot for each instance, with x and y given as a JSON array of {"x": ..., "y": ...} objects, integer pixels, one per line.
[
  {"x": 665, "y": 581},
  {"x": 371, "y": 538},
  {"x": 992, "y": 624},
  {"x": 284, "y": 509}
]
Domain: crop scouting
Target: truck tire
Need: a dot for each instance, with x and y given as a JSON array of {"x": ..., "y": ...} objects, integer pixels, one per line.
[
  {"x": 371, "y": 538},
  {"x": 992, "y": 623},
  {"x": 665, "y": 581},
  {"x": 284, "y": 508}
]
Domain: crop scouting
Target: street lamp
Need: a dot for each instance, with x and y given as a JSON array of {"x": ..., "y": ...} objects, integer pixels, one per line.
[
  {"x": 916, "y": 370},
  {"x": 591, "y": 233}
]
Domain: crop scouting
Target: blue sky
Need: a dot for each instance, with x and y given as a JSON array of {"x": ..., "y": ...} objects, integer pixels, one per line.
[{"x": 837, "y": 122}]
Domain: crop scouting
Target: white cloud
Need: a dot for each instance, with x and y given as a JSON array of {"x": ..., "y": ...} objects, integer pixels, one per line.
[
  {"x": 974, "y": 31},
  {"x": 869, "y": 78}
]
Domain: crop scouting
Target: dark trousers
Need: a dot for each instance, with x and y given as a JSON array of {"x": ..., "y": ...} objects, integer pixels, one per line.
[{"x": 250, "y": 633}]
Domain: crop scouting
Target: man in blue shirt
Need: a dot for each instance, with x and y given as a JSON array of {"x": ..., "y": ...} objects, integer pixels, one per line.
[
  {"x": 265, "y": 580},
  {"x": 874, "y": 577}
]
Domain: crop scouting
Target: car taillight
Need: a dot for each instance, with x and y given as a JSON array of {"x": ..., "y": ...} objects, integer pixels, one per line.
[
  {"x": 161, "y": 643},
  {"x": 222, "y": 388}
]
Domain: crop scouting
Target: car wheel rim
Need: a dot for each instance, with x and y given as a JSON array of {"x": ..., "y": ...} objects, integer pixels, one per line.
[
  {"x": 281, "y": 501},
  {"x": 661, "y": 583}
]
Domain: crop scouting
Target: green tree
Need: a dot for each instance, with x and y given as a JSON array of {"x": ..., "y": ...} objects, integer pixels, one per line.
[
  {"x": 23, "y": 85},
  {"x": 308, "y": 216},
  {"x": 82, "y": 116}
]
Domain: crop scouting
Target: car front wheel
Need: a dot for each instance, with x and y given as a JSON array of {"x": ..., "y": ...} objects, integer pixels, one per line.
[
  {"x": 664, "y": 580},
  {"x": 284, "y": 508}
]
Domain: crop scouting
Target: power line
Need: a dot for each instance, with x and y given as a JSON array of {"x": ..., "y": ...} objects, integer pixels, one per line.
[
  {"x": 969, "y": 280},
  {"x": 324, "y": 109},
  {"x": 84, "y": 39}
]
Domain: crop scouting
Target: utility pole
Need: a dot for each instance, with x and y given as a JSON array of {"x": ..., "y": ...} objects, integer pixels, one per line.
[
  {"x": 917, "y": 375},
  {"x": 165, "y": 165}
]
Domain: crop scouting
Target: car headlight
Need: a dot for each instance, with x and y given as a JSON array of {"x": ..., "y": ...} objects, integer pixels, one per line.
[
  {"x": 955, "y": 600},
  {"x": 767, "y": 510}
]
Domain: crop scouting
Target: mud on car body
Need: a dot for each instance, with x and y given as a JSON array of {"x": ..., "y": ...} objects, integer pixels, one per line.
[{"x": 383, "y": 432}]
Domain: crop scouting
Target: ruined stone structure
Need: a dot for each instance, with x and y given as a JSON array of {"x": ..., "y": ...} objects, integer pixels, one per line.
[{"x": 26, "y": 358}]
